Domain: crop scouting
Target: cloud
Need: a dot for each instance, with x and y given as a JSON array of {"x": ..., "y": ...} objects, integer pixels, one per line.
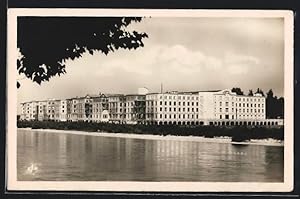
[
  {"x": 160, "y": 59},
  {"x": 239, "y": 64}
]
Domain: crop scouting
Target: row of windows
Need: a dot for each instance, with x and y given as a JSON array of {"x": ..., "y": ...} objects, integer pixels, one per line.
[
  {"x": 241, "y": 104},
  {"x": 174, "y": 109},
  {"x": 242, "y": 110},
  {"x": 179, "y": 97},
  {"x": 175, "y": 103},
  {"x": 239, "y": 116},
  {"x": 244, "y": 99},
  {"x": 174, "y": 116}
]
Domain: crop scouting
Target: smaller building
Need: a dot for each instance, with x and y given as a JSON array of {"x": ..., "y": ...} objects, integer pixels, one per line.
[
  {"x": 100, "y": 108},
  {"x": 117, "y": 108}
]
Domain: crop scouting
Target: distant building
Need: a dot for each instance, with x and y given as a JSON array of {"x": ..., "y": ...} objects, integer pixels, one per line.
[
  {"x": 42, "y": 110},
  {"x": 100, "y": 108},
  {"x": 217, "y": 107},
  {"x": 53, "y": 109},
  {"x": 116, "y": 108},
  {"x": 202, "y": 107},
  {"x": 135, "y": 108}
]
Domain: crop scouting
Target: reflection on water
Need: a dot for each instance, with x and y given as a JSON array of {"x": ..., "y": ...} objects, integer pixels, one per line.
[{"x": 50, "y": 156}]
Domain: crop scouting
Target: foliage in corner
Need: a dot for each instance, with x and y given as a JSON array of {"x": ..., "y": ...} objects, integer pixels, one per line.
[{"x": 47, "y": 42}]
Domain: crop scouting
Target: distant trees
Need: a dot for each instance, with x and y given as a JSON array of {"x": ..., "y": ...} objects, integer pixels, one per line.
[
  {"x": 260, "y": 91},
  {"x": 238, "y": 91},
  {"x": 274, "y": 105},
  {"x": 250, "y": 93}
]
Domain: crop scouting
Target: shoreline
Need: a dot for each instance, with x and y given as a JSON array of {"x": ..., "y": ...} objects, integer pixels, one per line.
[{"x": 228, "y": 140}]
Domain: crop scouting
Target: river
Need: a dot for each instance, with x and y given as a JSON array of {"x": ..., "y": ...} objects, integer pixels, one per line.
[{"x": 47, "y": 156}]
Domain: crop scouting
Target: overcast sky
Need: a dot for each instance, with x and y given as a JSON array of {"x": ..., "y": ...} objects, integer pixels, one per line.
[{"x": 182, "y": 53}]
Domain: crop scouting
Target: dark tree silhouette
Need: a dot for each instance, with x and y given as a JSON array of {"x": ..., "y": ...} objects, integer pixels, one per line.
[
  {"x": 260, "y": 91},
  {"x": 47, "y": 42},
  {"x": 250, "y": 93},
  {"x": 238, "y": 91},
  {"x": 274, "y": 106}
]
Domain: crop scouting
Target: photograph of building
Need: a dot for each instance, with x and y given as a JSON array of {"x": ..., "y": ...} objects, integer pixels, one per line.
[
  {"x": 170, "y": 97},
  {"x": 220, "y": 107}
]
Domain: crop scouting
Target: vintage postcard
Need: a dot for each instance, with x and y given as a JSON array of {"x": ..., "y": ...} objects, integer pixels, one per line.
[{"x": 150, "y": 100}]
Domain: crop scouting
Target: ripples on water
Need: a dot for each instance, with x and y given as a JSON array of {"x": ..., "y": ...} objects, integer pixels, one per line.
[{"x": 67, "y": 157}]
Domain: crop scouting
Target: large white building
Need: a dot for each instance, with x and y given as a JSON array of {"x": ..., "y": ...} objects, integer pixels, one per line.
[{"x": 204, "y": 107}]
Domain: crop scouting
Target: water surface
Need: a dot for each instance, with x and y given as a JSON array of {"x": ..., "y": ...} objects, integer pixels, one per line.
[{"x": 50, "y": 156}]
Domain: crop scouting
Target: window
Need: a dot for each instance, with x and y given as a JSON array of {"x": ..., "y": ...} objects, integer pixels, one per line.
[
  {"x": 226, "y": 110},
  {"x": 174, "y": 103},
  {"x": 165, "y": 103},
  {"x": 170, "y": 109},
  {"x": 160, "y": 103},
  {"x": 220, "y": 109},
  {"x": 160, "y": 115},
  {"x": 220, "y": 116},
  {"x": 174, "y": 109},
  {"x": 160, "y": 109},
  {"x": 220, "y": 103},
  {"x": 226, "y": 103},
  {"x": 183, "y": 103},
  {"x": 170, "y": 103}
]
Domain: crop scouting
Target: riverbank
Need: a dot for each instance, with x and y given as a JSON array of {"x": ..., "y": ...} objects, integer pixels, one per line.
[
  {"x": 234, "y": 134},
  {"x": 265, "y": 142}
]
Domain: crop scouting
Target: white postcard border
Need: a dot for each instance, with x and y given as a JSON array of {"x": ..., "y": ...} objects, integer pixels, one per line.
[{"x": 13, "y": 184}]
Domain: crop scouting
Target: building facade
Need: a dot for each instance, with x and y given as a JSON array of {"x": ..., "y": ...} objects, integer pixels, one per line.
[
  {"x": 219, "y": 107},
  {"x": 100, "y": 108},
  {"x": 116, "y": 108}
]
